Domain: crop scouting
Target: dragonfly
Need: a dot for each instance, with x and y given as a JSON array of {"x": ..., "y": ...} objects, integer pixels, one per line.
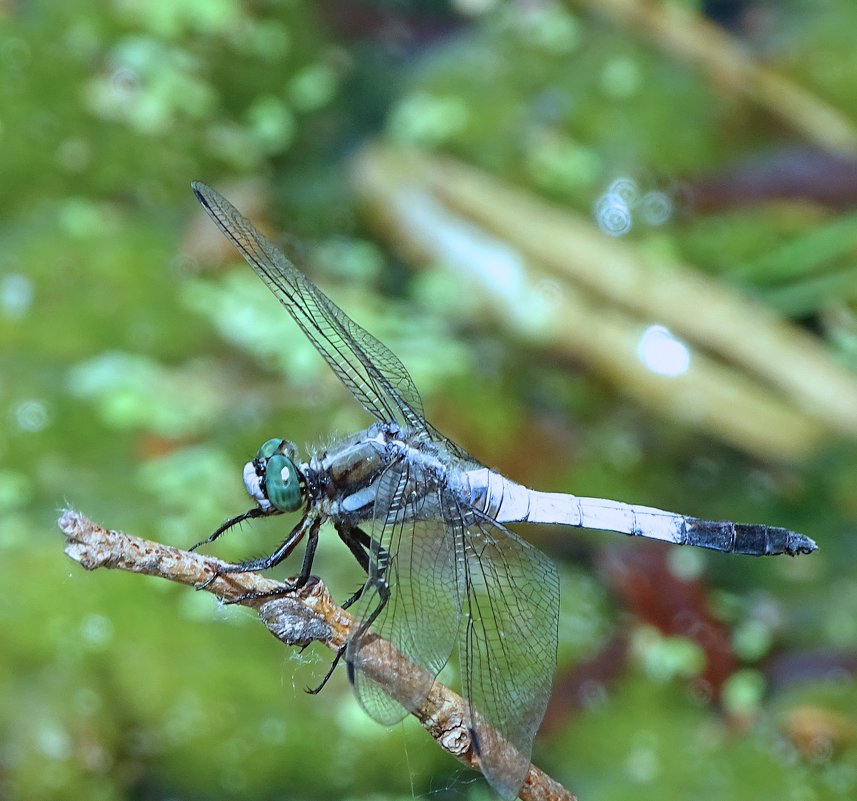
[{"x": 428, "y": 524}]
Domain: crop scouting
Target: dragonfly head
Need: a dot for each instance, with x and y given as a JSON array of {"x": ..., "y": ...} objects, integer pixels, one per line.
[{"x": 273, "y": 479}]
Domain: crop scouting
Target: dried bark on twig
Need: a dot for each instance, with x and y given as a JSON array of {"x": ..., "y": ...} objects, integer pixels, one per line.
[{"x": 296, "y": 617}]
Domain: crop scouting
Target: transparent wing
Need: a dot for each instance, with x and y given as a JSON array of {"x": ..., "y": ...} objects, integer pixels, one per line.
[
  {"x": 372, "y": 372},
  {"x": 413, "y": 553},
  {"x": 456, "y": 575},
  {"x": 507, "y": 642}
]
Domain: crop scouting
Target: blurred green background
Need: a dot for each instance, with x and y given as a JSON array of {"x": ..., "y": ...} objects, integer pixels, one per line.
[{"x": 141, "y": 365}]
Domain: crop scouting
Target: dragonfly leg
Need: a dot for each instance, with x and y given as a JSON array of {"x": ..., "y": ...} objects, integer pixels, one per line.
[
  {"x": 301, "y": 580},
  {"x": 383, "y": 589},
  {"x": 320, "y": 686},
  {"x": 308, "y": 526},
  {"x": 360, "y": 544},
  {"x": 233, "y": 521}
]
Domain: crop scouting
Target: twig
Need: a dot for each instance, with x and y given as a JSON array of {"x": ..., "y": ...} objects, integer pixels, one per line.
[{"x": 296, "y": 617}]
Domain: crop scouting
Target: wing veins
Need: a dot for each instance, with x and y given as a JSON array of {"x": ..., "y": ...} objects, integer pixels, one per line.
[{"x": 387, "y": 396}]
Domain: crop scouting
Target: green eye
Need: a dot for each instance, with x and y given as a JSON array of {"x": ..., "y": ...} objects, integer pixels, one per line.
[
  {"x": 282, "y": 484},
  {"x": 269, "y": 448}
]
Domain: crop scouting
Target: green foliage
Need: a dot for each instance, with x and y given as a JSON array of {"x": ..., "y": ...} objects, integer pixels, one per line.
[{"x": 134, "y": 383}]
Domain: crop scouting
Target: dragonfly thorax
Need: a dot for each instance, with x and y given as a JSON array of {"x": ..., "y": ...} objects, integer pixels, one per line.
[{"x": 272, "y": 478}]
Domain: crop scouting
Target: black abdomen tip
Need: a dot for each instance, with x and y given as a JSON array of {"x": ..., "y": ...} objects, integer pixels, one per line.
[{"x": 752, "y": 540}]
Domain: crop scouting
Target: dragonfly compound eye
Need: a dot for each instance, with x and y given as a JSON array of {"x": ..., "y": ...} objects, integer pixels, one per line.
[
  {"x": 282, "y": 483},
  {"x": 269, "y": 448}
]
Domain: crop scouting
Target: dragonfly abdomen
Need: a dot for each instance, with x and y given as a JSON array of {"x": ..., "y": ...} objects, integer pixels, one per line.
[{"x": 508, "y": 502}]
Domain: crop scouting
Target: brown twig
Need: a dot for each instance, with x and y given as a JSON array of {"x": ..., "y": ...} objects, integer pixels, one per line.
[{"x": 296, "y": 617}]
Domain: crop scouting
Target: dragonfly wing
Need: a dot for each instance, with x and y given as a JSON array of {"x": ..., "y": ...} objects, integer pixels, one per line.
[
  {"x": 457, "y": 575},
  {"x": 370, "y": 370},
  {"x": 507, "y": 642},
  {"x": 413, "y": 556}
]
